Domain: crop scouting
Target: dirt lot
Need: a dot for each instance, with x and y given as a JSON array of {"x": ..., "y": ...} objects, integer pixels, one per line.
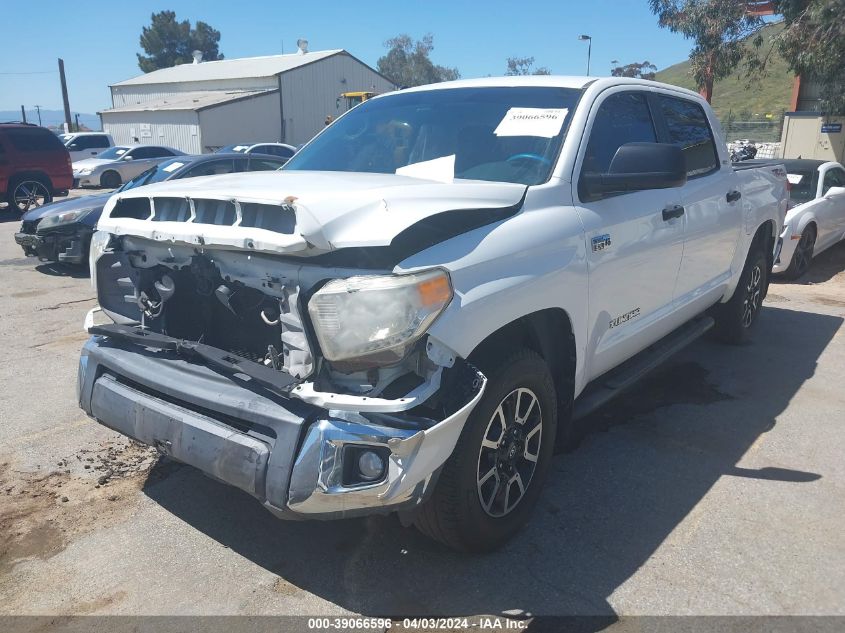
[{"x": 717, "y": 487}]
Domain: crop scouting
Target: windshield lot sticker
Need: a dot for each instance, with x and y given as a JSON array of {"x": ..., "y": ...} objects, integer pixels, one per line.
[
  {"x": 440, "y": 169},
  {"x": 794, "y": 179},
  {"x": 544, "y": 122},
  {"x": 172, "y": 167}
]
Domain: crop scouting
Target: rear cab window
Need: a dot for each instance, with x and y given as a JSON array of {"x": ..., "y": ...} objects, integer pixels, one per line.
[{"x": 834, "y": 177}]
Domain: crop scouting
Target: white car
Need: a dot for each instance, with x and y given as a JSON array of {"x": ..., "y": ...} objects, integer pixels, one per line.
[
  {"x": 817, "y": 220},
  {"x": 119, "y": 164},
  {"x": 282, "y": 150},
  {"x": 410, "y": 314},
  {"x": 82, "y": 145}
]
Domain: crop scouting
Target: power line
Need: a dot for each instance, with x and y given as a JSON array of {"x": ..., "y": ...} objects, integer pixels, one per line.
[{"x": 34, "y": 72}]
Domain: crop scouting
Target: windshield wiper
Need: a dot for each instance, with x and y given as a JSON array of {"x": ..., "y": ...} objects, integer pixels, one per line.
[{"x": 214, "y": 357}]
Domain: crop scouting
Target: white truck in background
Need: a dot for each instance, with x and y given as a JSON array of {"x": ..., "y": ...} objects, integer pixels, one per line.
[{"x": 409, "y": 315}]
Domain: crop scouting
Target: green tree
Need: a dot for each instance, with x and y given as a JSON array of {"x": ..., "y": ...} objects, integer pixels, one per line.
[
  {"x": 524, "y": 66},
  {"x": 642, "y": 70},
  {"x": 408, "y": 63},
  {"x": 717, "y": 29},
  {"x": 813, "y": 45},
  {"x": 168, "y": 42}
]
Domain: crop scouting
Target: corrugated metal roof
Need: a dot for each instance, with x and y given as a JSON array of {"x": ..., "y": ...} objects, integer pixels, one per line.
[
  {"x": 229, "y": 68},
  {"x": 190, "y": 100}
]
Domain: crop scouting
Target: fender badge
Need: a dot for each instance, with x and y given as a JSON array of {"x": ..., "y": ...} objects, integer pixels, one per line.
[{"x": 601, "y": 242}]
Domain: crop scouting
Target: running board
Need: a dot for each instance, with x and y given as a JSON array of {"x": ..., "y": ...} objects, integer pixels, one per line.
[{"x": 606, "y": 387}]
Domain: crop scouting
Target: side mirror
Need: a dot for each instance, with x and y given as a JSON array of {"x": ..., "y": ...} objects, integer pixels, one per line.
[
  {"x": 73, "y": 146},
  {"x": 638, "y": 167},
  {"x": 125, "y": 158},
  {"x": 834, "y": 191}
]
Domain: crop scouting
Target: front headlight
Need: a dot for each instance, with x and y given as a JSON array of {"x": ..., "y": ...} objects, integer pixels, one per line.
[
  {"x": 99, "y": 244},
  {"x": 359, "y": 316},
  {"x": 85, "y": 171},
  {"x": 63, "y": 218}
]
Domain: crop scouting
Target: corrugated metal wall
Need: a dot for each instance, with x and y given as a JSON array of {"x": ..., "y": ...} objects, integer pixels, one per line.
[
  {"x": 174, "y": 128},
  {"x": 252, "y": 120},
  {"x": 133, "y": 95},
  {"x": 310, "y": 93}
]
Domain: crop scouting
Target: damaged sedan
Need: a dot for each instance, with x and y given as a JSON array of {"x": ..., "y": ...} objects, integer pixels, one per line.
[{"x": 406, "y": 317}]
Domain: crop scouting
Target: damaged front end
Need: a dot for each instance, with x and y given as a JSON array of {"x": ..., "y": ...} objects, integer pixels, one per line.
[{"x": 314, "y": 388}]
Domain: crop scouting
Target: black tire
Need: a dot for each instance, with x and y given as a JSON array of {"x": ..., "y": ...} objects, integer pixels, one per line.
[
  {"x": 454, "y": 514},
  {"x": 803, "y": 255},
  {"x": 35, "y": 190},
  {"x": 736, "y": 318},
  {"x": 110, "y": 180}
]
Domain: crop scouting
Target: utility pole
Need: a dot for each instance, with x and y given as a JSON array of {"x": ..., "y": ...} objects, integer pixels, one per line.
[
  {"x": 64, "y": 94},
  {"x": 76, "y": 117},
  {"x": 23, "y": 115},
  {"x": 38, "y": 110}
]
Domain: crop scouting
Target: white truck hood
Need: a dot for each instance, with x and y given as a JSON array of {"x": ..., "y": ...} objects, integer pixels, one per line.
[{"x": 332, "y": 209}]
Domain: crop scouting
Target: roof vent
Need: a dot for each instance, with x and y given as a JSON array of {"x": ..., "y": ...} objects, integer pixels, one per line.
[
  {"x": 302, "y": 46},
  {"x": 197, "y": 56}
]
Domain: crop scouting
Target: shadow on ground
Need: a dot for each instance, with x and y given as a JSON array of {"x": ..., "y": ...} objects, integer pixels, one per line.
[
  {"x": 823, "y": 267},
  {"x": 606, "y": 508},
  {"x": 56, "y": 269}
]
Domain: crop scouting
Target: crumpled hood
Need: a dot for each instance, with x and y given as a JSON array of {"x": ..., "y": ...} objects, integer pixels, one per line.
[
  {"x": 332, "y": 209},
  {"x": 71, "y": 204},
  {"x": 90, "y": 162}
]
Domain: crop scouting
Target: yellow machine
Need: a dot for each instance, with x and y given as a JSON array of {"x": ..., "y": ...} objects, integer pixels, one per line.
[{"x": 351, "y": 99}]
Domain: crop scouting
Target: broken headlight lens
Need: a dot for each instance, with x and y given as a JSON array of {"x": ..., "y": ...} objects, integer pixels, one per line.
[
  {"x": 358, "y": 316},
  {"x": 99, "y": 243}
]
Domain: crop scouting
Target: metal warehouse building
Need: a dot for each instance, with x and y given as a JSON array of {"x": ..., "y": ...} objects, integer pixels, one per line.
[{"x": 203, "y": 106}]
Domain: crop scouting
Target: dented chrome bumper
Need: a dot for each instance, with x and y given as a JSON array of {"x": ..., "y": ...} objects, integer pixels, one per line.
[{"x": 291, "y": 455}]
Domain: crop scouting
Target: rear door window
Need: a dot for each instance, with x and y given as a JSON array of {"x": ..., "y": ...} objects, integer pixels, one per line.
[
  {"x": 264, "y": 164},
  {"x": 99, "y": 141},
  {"x": 688, "y": 128}
]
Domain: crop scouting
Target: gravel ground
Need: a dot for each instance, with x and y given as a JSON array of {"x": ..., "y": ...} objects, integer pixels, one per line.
[{"x": 716, "y": 488}]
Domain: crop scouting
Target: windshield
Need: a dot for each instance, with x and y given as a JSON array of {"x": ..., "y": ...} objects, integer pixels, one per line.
[
  {"x": 157, "y": 173},
  {"x": 801, "y": 186},
  {"x": 113, "y": 153},
  {"x": 490, "y": 133}
]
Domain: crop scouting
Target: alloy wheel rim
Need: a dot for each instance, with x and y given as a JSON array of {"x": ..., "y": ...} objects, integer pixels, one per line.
[
  {"x": 753, "y": 296},
  {"x": 509, "y": 452},
  {"x": 803, "y": 252},
  {"x": 30, "y": 194}
]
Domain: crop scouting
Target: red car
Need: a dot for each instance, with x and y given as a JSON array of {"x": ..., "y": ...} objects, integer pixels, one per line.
[{"x": 34, "y": 166}]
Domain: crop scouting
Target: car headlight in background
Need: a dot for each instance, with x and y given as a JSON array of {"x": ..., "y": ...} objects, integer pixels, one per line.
[
  {"x": 85, "y": 171},
  {"x": 60, "y": 219},
  {"x": 99, "y": 244},
  {"x": 364, "y": 315}
]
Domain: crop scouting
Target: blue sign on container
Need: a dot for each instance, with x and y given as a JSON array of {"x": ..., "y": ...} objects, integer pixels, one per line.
[{"x": 830, "y": 128}]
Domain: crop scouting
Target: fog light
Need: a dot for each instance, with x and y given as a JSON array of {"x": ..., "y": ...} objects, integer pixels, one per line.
[{"x": 370, "y": 465}]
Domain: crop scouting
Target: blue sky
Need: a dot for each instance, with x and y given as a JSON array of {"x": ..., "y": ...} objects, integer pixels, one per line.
[{"x": 98, "y": 40}]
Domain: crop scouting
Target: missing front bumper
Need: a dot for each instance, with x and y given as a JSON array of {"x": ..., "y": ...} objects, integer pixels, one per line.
[{"x": 286, "y": 453}]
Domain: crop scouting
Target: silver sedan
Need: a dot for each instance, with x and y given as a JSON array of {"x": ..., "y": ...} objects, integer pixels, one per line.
[{"x": 119, "y": 164}]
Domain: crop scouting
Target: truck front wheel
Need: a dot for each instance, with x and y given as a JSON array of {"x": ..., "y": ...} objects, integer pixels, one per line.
[
  {"x": 735, "y": 318},
  {"x": 490, "y": 484}
]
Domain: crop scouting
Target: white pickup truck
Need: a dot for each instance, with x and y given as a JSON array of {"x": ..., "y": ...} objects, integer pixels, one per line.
[{"x": 409, "y": 315}]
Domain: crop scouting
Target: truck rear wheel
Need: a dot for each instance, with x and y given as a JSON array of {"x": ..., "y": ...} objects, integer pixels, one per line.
[
  {"x": 735, "y": 318},
  {"x": 492, "y": 480}
]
